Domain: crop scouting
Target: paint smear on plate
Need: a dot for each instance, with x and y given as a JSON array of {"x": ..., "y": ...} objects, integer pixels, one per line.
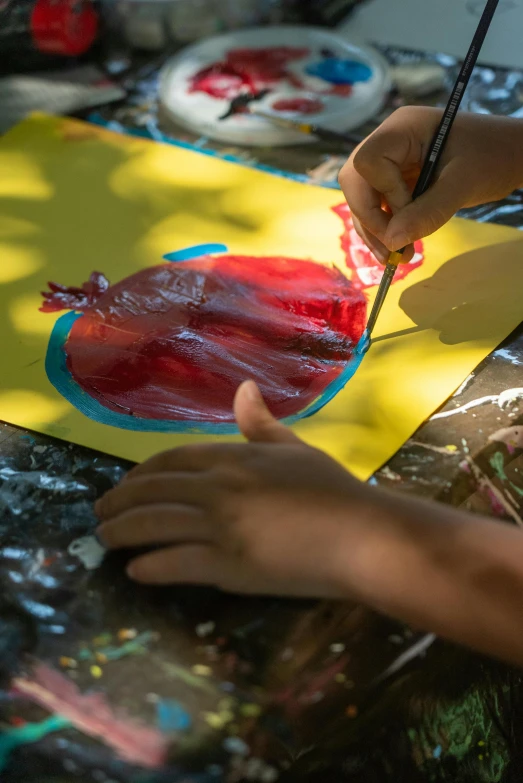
[
  {"x": 252, "y": 70},
  {"x": 299, "y": 105}
]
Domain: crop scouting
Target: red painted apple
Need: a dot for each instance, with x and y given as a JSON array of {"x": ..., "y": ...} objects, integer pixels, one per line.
[{"x": 173, "y": 342}]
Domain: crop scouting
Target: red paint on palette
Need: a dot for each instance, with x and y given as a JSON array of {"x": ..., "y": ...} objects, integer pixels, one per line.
[
  {"x": 299, "y": 105},
  {"x": 341, "y": 90},
  {"x": 251, "y": 70}
]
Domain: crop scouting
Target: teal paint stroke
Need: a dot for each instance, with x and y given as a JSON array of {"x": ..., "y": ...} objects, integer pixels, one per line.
[
  {"x": 498, "y": 465},
  {"x": 517, "y": 489},
  {"x": 197, "y": 251},
  {"x": 17, "y": 737}
]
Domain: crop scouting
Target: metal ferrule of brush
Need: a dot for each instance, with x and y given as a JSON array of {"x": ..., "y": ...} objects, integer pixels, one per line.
[{"x": 386, "y": 281}]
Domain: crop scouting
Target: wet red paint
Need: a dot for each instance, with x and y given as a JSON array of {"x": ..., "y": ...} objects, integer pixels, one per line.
[
  {"x": 367, "y": 271},
  {"x": 61, "y": 297},
  {"x": 251, "y": 70},
  {"x": 299, "y": 105},
  {"x": 175, "y": 341}
]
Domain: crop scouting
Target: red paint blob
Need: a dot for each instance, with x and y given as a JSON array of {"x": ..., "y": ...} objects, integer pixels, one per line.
[
  {"x": 366, "y": 269},
  {"x": 175, "y": 341},
  {"x": 251, "y": 70},
  {"x": 299, "y": 105},
  {"x": 61, "y": 297}
]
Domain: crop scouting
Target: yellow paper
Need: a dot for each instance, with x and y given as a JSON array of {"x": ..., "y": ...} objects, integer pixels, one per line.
[{"x": 74, "y": 198}]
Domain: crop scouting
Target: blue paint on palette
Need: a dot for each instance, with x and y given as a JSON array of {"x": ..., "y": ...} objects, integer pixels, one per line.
[
  {"x": 171, "y": 716},
  {"x": 336, "y": 71}
]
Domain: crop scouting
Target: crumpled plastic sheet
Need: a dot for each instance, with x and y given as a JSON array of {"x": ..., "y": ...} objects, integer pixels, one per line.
[
  {"x": 53, "y": 480},
  {"x": 47, "y": 493}
]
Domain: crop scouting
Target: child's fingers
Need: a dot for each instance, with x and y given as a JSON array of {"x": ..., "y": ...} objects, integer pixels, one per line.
[
  {"x": 381, "y": 160},
  {"x": 428, "y": 213},
  {"x": 365, "y": 203},
  {"x": 158, "y": 523},
  {"x": 378, "y": 249},
  {"x": 194, "y": 564},
  {"x": 380, "y": 252}
]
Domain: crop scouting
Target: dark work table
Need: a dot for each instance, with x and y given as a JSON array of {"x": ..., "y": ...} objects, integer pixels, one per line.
[{"x": 273, "y": 689}]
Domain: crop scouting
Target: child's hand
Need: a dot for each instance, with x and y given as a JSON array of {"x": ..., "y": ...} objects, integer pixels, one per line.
[
  {"x": 271, "y": 516},
  {"x": 276, "y": 517},
  {"x": 482, "y": 162}
]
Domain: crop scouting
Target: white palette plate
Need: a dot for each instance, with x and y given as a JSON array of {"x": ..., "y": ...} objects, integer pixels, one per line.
[{"x": 200, "y": 112}]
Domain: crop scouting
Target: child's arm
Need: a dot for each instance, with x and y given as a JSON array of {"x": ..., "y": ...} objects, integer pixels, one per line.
[
  {"x": 483, "y": 161},
  {"x": 275, "y": 516}
]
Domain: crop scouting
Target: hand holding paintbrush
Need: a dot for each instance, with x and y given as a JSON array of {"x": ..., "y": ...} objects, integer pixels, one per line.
[
  {"x": 482, "y": 162},
  {"x": 436, "y": 149}
]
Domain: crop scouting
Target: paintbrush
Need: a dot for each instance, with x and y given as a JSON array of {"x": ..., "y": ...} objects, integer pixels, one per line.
[
  {"x": 242, "y": 105},
  {"x": 435, "y": 151},
  {"x": 323, "y": 134}
]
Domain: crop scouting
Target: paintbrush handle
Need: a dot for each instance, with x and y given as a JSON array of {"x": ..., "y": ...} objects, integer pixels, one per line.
[
  {"x": 383, "y": 290},
  {"x": 324, "y": 134},
  {"x": 442, "y": 134},
  {"x": 436, "y": 148}
]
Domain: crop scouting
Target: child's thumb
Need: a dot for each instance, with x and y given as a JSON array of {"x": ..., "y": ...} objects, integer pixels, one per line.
[{"x": 255, "y": 420}]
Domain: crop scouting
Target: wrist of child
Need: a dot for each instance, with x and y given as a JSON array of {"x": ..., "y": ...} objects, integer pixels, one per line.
[{"x": 389, "y": 555}]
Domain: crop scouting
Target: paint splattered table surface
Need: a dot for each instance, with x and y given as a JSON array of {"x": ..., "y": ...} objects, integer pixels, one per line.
[
  {"x": 191, "y": 685},
  {"x": 234, "y": 689}
]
